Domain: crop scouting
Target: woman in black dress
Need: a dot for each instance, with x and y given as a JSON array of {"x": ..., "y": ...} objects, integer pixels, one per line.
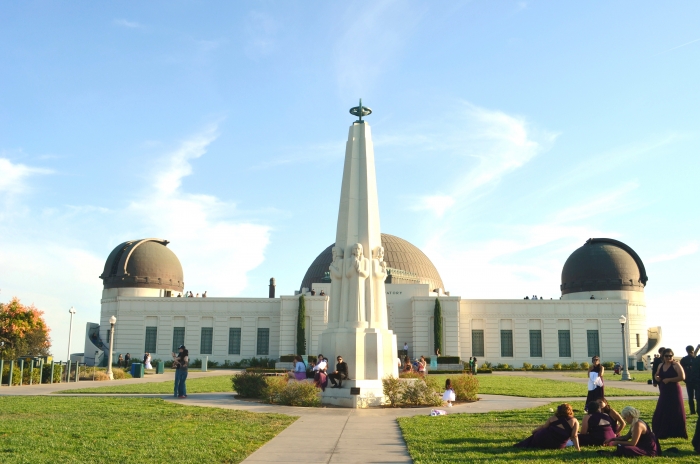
[
  {"x": 596, "y": 427},
  {"x": 640, "y": 441},
  {"x": 669, "y": 416},
  {"x": 596, "y": 388},
  {"x": 556, "y": 432}
]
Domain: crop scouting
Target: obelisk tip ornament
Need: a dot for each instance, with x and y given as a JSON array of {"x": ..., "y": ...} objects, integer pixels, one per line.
[{"x": 360, "y": 111}]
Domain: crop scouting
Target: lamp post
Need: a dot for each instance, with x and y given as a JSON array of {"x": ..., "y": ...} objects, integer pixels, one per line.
[
  {"x": 112, "y": 321},
  {"x": 625, "y": 372},
  {"x": 70, "y": 329}
]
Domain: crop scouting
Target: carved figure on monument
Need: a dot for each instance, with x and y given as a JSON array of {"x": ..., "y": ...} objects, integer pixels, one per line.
[
  {"x": 378, "y": 316},
  {"x": 336, "y": 271},
  {"x": 356, "y": 272}
]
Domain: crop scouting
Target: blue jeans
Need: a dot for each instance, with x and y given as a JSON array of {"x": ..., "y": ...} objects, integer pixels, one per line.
[{"x": 180, "y": 382}]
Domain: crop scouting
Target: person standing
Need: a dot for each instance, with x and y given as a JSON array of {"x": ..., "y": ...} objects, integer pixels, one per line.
[
  {"x": 596, "y": 388},
  {"x": 405, "y": 349},
  {"x": 687, "y": 365},
  {"x": 181, "y": 362},
  {"x": 475, "y": 366},
  {"x": 120, "y": 360},
  {"x": 127, "y": 360},
  {"x": 147, "y": 361},
  {"x": 655, "y": 364},
  {"x": 669, "y": 417},
  {"x": 340, "y": 373}
]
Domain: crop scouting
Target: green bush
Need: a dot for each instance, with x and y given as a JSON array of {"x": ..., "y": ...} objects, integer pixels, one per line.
[
  {"x": 120, "y": 374},
  {"x": 196, "y": 363},
  {"x": 484, "y": 370},
  {"x": 527, "y": 366},
  {"x": 287, "y": 358},
  {"x": 6, "y": 374},
  {"x": 300, "y": 394},
  {"x": 261, "y": 370},
  {"x": 410, "y": 375},
  {"x": 249, "y": 384},
  {"x": 585, "y": 365},
  {"x": 542, "y": 366},
  {"x": 609, "y": 365},
  {"x": 418, "y": 393},
  {"x": 393, "y": 390},
  {"x": 573, "y": 366},
  {"x": 46, "y": 374},
  {"x": 486, "y": 365},
  {"x": 502, "y": 366},
  {"x": 466, "y": 387},
  {"x": 274, "y": 387},
  {"x": 168, "y": 364},
  {"x": 557, "y": 366},
  {"x": 445, "y": 359}
]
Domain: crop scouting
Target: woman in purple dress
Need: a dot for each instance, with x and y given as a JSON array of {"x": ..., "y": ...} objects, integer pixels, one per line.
[
  {"x": 596, "y": 427},
  {"x": 640, "y": 441},
  {"x": 669, "y": 416},
  {"x": 596, "y": 389},
  {"x": 553, "y": 434}
]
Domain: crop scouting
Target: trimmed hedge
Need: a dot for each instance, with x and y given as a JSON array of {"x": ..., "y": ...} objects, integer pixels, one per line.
[{"x": 445, "y": 359}]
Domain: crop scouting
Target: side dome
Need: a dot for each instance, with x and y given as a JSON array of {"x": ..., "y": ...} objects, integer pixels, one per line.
[
  {"x": 603, "y": 264},
  {"x": 406, "y": 264},
  {"x": 145, "y": 263}
]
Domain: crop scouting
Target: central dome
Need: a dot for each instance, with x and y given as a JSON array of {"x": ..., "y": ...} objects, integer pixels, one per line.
[
  {"x": 146, "y": 263},
  {"x": 405, "y": 262}
]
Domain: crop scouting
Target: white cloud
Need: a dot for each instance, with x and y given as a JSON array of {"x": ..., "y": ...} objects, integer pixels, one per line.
[
  {"x": 13, "y": 176},
  {"x": 436, "y": 204},
  {"x": 606, "y": 202},
  {"x": 261, "y": 34},
  {"x": 685, "y": 250},
  {"x": 128, "y": 24}
]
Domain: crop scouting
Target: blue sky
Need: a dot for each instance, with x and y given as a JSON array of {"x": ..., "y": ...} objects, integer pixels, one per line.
[{"x": 506, "y": 134}]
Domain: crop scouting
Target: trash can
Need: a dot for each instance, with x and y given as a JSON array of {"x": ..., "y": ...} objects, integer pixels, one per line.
[
  {"x": 160, "y": 367},
  {"x": 137, "y": 370},
  {"x": 640, "y": 365}
]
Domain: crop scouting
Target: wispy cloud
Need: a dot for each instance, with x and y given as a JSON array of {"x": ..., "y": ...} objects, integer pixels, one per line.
[
  {"x": 602, "y": 203},
  {"x": 685, "y": 250},
  {"x": 13, "y": 176},
  {"x": 261, "y": 34},
  {"x": 683, "y": 45},
  {"x": 128, "y": 24}
]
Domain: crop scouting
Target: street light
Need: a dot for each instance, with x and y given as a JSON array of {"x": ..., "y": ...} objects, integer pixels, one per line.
[
  {"x": 112, "y": 321},
  {"x": 70, "y": 330},
  {"x": 625, "y": 372}
]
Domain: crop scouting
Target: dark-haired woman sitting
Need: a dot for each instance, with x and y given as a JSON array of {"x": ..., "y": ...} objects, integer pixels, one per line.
[
  {"x": 596, "y": 427},
  {"x": 553, "y": 434}
]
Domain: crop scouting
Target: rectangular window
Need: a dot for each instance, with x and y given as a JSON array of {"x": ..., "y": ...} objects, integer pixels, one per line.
[
  {"x": 234, "y": 340},
  {"x": 178, "y": 338},
  {"x": 593, "y": 345},
  {"x": 507, "y": 343},
  {"x": 535, "y": 343},
  {"x": 263, "y": 342},
  {"x": 205, "y": 342},
  {"x": 638, "y": 341},
  {"x": 564, "y": 343},
  {"x": 478, "y": 343},
  {"x": 151, "y": 337}
]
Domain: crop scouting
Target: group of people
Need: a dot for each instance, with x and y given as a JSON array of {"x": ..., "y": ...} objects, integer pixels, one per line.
[
  {"x": 181, "y": 362},
  {"x": 318, "y": 371},
  {"x": 190, "y": 295},
  {"x": 419, "y": 366},
  {"x": 602, "y": 425},
  {"x": 125, "y": 361}
]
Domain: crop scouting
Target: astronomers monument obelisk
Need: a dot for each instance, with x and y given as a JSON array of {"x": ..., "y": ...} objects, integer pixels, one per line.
[{"x": 357, "y": 315}]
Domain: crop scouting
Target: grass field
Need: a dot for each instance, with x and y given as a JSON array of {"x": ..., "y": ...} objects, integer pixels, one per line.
[
  {"x": 489, "y": 437},
  {"x": 219, "y": 383},
  {"x": 533, "y": 387},
  {"x": 638, "y": 377},
  {"x": 42, "y": 429}
]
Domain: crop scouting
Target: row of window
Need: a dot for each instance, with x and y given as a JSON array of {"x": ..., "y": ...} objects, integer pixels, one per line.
[
  {"x": 207, "y": 338},
  {"x": 564, "y": 339}
]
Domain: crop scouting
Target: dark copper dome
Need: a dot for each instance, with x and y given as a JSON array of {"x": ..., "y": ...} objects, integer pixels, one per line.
[
  {"x": 603, "y": 264},
  {"x": 406, "y": 264},
  {"x": 146, "y": 263}
]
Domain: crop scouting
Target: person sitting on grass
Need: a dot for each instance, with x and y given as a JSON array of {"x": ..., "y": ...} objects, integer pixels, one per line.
[
  {"x": 619, "y": 423},
  {"x": 596, "y": 427},
  {"x": 449, "y": 395},
  {"x": 640, "y": 441},
  {"x": 299, "y": 372},
  {"x": 555, "y": 432}
]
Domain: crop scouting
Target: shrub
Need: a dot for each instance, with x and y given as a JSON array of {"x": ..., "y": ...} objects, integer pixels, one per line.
[
  {"x": 487, "y": 365},
  {"x": 571, "y": 366},
  {"x": 273, "y": 388},
  {"x": 434, "y": 385},
  {"x": 249, "y": 384},
  {"x": 100, "y": 376},
  {"x": 484, "y": 370},
  {"x": 445, "y": 359},
  {"x": 466, "y": 387},
  {"x": 168, "y": 364},
  {"x": 609, "y": 365},
  {"x": 212, "y": 363},
  {"x": 527, "y": 366},
  {"x": 542, "y": 366},
  {"x": 410, "y": 375},
  {"x": 418, "y": 393},
  {"x": 260, "y": 370},
  {"x": 393, "y": 390},
  {"x": 502, "y": 366},
  {"x": 46, "y": 374},
  {"x": 287, "y": 358},
  {"x": 120, "y": 374},
  {"x": 585, "y": 365},
  {"x": 556, "y": 366},
  {"x": 300, "y": 394}
]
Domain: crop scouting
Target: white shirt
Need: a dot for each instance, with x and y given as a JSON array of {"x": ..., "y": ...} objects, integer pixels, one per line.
[
  {"x": 405, "y": 346},
  {"x": 321, "y": 366}
]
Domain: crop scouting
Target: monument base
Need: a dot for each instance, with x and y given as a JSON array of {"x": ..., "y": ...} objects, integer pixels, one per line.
[{"x": 370, "y": 394}]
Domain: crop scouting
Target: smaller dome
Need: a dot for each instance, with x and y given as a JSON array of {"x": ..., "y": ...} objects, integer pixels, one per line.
[
  {"x": 145, "y": 263},
  {"x": 603, "y": 264}
]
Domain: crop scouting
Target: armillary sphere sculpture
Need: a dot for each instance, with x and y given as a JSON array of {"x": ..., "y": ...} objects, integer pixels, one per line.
[{"x": 360, "y": 111}]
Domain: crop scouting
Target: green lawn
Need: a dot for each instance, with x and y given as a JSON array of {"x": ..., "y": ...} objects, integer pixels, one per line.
[
  {"x": 219, "y": 383},
  {"x": 534, "y": 387},
  {"x": 41, "y": 429},
  {"x": 639, "y": 377},
  {"x": 489, "y": 437}
]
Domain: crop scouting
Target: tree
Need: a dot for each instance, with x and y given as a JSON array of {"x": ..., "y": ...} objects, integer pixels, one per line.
[
  {"x": 301, "y": 327},
  {"x": 437, "y": 326},
  {"x": 23, "y": 331}
]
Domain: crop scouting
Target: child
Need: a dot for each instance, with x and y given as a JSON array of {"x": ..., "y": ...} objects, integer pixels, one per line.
[{"x": 449, "y": 394}]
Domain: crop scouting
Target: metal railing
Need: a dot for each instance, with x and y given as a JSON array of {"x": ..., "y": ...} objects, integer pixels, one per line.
[{"x": 7, "y": 379}]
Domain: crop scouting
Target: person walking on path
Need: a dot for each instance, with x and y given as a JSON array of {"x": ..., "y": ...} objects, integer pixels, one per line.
[
  {"x": 181, "y": 362},
  {"x": 127, "y": 360},
  {"x": 340, "y": 373},
  {"x": 669, "y": 416},
  {"x": 687, "y": 365},
  {"x": 596, "y": 388},
  {"x": 640, "y": 441}
]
